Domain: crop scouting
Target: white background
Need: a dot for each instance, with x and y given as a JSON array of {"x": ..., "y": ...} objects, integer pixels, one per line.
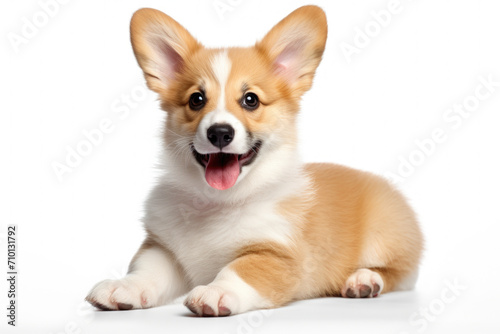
[{"x": 78, "y": 69}]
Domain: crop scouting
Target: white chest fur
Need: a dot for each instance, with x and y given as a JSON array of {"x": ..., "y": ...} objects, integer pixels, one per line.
[{"x": 205, "y": 238}]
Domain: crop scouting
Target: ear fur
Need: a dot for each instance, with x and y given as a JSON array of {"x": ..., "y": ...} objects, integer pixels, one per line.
[
  {"x": 161, "y": 46},
  {"x": 295, "y": 46}
]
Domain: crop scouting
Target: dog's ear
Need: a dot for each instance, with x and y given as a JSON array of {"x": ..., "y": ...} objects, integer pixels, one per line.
[
  {"x": 161, "y": 46},
  {"x": 295, "y": 46}
]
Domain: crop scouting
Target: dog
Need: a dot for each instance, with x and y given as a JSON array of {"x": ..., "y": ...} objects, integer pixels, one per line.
[{"x": 237, "y": 222}]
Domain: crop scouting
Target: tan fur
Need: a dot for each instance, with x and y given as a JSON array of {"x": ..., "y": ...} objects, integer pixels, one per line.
[
  {"x": 251, "y": 68},
  {"x": 351, "y": 211},
  {"x": 272, "y": 269}
]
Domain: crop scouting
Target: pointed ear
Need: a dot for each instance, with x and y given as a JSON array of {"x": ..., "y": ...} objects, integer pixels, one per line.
[
  {"x": 161, "y": 46},
  {"x": 295, "y": 46}
]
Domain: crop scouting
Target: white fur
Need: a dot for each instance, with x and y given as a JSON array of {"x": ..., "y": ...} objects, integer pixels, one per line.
[
  {"x": 227, "y": 290},
  {"x": 221, "y": 67}
]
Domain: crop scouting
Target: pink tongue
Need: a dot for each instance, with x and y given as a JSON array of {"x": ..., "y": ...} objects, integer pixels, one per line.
[{"x": 222, "y": 170}]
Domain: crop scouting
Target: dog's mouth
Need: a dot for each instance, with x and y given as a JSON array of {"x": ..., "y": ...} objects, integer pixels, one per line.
[{"x": 222, "y": 169}]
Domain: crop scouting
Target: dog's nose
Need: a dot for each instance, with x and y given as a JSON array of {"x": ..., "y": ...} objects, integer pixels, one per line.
[{"x": 220, "y": 135}]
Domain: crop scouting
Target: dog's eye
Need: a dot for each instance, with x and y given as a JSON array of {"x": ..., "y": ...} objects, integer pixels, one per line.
[
  {"x": 197, "y": 101},
  {"x": 250, "y": 101}
]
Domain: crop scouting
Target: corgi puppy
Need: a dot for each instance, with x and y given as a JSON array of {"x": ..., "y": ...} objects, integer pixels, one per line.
[{"x": 238, "y": 222}]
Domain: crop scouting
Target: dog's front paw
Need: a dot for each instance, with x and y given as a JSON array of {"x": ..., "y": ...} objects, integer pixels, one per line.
[
  {"x": 211, "y": 301},
  {"x": 364, "y": 283},
  {"x": 124, "y": 294}
]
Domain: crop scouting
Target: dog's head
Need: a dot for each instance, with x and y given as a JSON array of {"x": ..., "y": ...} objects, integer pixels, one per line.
[{"x": 230, "y": 111}]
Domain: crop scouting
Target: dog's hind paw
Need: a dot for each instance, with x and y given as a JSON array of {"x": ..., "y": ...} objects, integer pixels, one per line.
[{"x": 364, "y": 283}]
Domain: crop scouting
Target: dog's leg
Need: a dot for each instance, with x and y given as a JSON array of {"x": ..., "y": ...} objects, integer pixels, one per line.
[
  {"x": 263, "y": 276},
  {"x": 153, "y": 279}
]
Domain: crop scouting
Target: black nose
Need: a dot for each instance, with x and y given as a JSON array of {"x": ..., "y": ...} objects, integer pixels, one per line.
[{"x": 220, "y": 135}]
